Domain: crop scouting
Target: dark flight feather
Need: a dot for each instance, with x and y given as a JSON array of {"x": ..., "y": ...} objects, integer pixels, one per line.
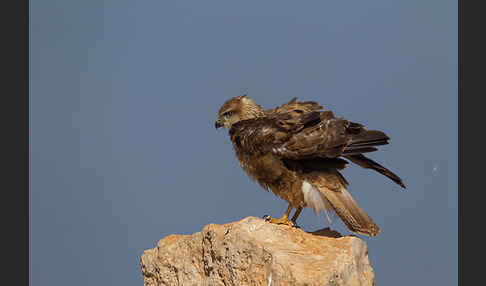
[{"x": 367, "y": 163}]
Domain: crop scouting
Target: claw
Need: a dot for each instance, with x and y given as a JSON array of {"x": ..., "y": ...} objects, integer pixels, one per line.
[{"x": 282, "y": 220}]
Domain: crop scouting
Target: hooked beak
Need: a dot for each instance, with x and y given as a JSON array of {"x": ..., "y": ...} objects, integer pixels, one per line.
[{"x": 217, "y": 124}]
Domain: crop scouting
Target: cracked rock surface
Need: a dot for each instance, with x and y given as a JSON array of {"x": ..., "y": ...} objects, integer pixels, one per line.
[{"x": 255, "y": 252}]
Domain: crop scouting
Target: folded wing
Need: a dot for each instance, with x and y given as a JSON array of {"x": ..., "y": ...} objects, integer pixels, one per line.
[{"x": 315, "y": 134}]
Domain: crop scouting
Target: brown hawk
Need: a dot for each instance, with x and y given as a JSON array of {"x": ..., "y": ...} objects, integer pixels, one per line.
[{"x": 296, "y": 150}]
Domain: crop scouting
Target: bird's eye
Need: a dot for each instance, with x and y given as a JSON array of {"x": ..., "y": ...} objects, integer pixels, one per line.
[{"x": 228, "y": 113}]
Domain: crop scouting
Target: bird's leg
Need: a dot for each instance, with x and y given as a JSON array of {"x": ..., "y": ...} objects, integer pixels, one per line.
[
  {"x": 283, "y": 220},
  {"x": 296, "y": 215}
]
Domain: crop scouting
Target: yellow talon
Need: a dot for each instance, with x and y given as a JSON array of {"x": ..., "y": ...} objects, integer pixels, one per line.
[{"x": 284, "y": 219}]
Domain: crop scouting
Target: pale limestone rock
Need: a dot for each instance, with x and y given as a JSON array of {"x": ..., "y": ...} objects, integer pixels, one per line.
[{"x": 255, "y": 252}]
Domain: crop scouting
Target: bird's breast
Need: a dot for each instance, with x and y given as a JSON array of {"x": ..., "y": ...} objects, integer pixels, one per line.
[{"x": 267, "y": 168}]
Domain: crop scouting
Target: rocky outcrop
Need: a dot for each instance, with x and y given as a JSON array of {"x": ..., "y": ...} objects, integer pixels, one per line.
[{"x": 255, "y": 252}]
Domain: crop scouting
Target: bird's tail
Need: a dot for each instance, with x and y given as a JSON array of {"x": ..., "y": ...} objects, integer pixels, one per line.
[{"x": 330, "y": 188}]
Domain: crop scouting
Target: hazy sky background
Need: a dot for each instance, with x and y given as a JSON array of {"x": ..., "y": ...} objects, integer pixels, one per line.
[{"x": 123, "y": 99}]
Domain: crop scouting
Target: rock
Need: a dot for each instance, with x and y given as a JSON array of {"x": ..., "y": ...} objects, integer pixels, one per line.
[{"x": 255, "y": 252}]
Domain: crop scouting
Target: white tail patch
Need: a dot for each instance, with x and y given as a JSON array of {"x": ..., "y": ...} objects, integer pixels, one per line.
[{"x": 315, "y": 199}]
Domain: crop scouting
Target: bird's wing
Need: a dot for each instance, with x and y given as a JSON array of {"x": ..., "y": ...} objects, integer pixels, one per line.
[
  {"x": 312, "y": 141},
  {"x": 260, "y": 135},
  {"x": 294, "y": 107},
  {"x": 334, "y": 137},
  {"x": 303, "y": 136},
  {"x": 320, "y": 134}
]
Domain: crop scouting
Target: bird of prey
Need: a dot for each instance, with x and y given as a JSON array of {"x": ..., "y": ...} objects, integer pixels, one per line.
[{"x": 296, "y": 150}]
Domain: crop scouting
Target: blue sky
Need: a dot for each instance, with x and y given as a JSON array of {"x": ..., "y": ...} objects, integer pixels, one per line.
[{"x": 123, "y": 98}]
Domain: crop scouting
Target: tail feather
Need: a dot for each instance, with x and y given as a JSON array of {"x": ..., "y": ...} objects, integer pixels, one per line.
[
  {"x": 367, "y": 163},
  {"x": 348, "y": 210},
  {"x": 326, "y": 191}
]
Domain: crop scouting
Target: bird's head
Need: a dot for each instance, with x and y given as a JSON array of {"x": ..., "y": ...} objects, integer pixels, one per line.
[{"x": 236, "y": 109}]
